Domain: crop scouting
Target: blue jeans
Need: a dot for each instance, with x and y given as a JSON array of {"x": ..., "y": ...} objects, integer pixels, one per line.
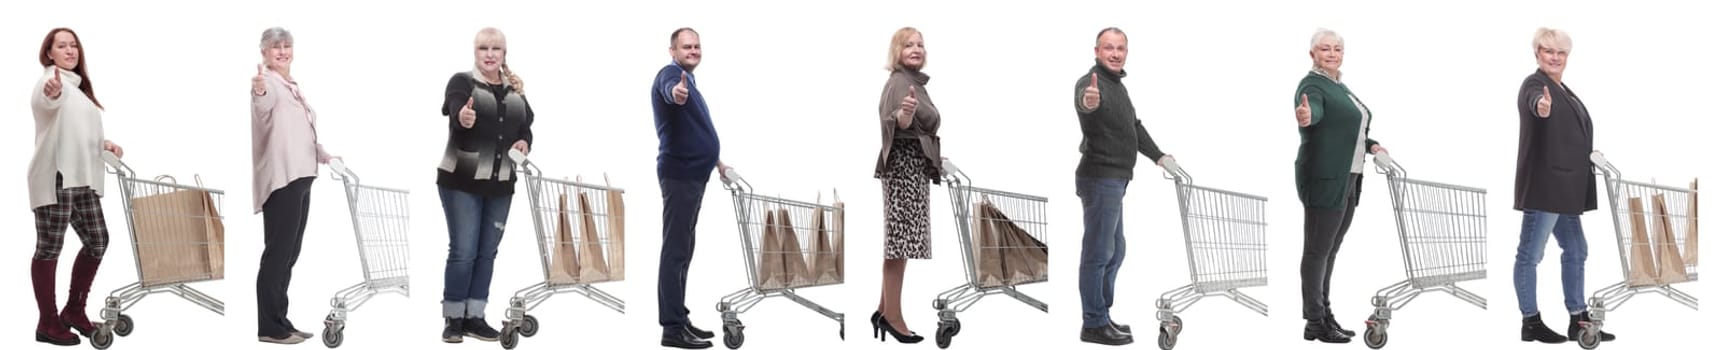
[
  {"x": 1103, "y": 246},
  {"x": 1534, "y": 234},
  {"x": 681, "y": 214},
  {"x": 475, "y": 229}
]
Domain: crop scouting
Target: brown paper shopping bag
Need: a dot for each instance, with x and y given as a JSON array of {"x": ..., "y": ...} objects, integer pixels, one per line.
[
  {"x": 1692, "y": 253},
  {"x": 593, "y": 267},
  {"x": 1640, "y": 267},
  {"x": 796, "y": 270},
  {"x": 1670, "y": 268},
  {"x": 989, "y": 264},
  {"x": 179, "y": 237},
  {"x": 614, "y": 218},
  {"x": 823, "y": 261},
  {"x": 564, "y": 267},
  {"x": 771, "y": 269},
  {"x": 837, "y": 228},
  {"x": 1026, "y": 257}
]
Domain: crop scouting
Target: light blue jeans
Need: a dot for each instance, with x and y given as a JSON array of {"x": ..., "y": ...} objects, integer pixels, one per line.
[{"x": 1534, "y": 235}]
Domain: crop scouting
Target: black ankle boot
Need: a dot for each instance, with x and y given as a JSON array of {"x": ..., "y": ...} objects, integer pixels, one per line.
[
  {"x": 1336, "y": 326},
  {"x": 1532, "y": 328},
  {"x": 1320, "y": 331},
  {"x": 1573, "y": 327}
]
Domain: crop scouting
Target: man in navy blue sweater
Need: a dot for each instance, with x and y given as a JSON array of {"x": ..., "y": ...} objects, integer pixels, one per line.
[{"x": 687, "y": 154}]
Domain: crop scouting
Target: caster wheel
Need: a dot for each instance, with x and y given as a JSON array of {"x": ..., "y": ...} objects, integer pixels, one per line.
[
  {"x": 946, "y": 331},
  {"x": 732, "y": 339},
  {"x": 1375, "y": 337},
  {"x": 1589, "y": 337},
  {"x": 511, "y": 337},
  {"x": 102, "y": 339},
  {"x": 123, "y": 326},
  {"x": 956, "y": 326},
  {"x": 529, "y": 326},
  {"x": 1178, "y": 327},
  {"x": 332, "y": 337},
  {"x": 1167, "y": 340}
]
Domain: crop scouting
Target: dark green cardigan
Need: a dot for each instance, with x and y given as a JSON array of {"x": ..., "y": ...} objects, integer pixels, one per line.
[{"x": 1326, "y": 147}]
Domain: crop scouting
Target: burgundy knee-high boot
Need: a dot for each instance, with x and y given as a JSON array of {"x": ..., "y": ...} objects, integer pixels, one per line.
[
  {"x": 48, "y": 326},
  {"x": 83, "y": 273}
]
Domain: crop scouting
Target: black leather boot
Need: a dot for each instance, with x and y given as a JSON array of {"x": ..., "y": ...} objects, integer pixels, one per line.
[
  {"x": 1336, "y": 326},
  {"x": 1319, "y": 330},
  {"x": 1532, "y": 328},
  {"x": 1573, "y": 327}
]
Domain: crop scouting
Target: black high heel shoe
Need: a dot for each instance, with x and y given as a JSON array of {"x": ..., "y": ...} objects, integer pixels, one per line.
[
  {"x": 874, "y": 320},
  {"x": 880, "y": 325}
]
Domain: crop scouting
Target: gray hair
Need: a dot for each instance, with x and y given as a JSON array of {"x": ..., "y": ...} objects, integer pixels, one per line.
[
  {"x": 273, "y": 36},
  {"x": 1322, "y": 33}
]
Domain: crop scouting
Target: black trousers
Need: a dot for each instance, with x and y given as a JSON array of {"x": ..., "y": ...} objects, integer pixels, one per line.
[
  {"x": 1323, "y": 232},
  {"x": 284, "y": 216}
]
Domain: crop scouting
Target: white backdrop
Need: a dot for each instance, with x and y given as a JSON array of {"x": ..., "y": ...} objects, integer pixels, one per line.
[{"x": 793, "y": 90}]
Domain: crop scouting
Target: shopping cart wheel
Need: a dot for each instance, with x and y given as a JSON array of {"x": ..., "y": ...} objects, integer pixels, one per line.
[
  {"x": 1589, "y": 336},
  {"x": 103, "y": 338},
  {"x": 956, "y": 326},
  {"x": 946, "y": 331},
  {"x": 1167, "y": 340},
  {"x": 529, "y": 326},
  {"x": 1178, "y": 326},
  {"x": 1375, "y": 337},
  {"x": 332, "y": 337},
  {"x": 123, "y": 326},
  {"x": 511, "y": 337},
  {"x": 733, "y": 336}
]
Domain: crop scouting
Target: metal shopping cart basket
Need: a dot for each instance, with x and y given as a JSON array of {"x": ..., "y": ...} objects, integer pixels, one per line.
[
  {"x": 176, "y": 239},
  {"x": 1671, "y": 213},
  {"x": 1226, "y": 245},
  {"x": 787, "y": 245},
  {"x": 380, "y": 227},
  {"x": 980, "y": 213},
  {"x": 574, "y": 259},
  {"x": 1442, "y": 235}
]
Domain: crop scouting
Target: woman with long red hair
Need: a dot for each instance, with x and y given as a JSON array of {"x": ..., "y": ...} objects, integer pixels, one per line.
[{"x": 65, "y": 181}]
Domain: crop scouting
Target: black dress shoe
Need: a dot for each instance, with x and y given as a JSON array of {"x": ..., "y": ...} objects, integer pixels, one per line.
[
  {"x": 1106, "y": 335},
  {"x": 1533, "y": 329},
  {"x": 1123, "y": 328},
  {"x": 684, "y": 340},
  {"x": 701, "y": 333},
  {"x": 1573, "y": 327},
  {"x": 1336, "y": 326},
  {"x": 1319, "y": 330}
]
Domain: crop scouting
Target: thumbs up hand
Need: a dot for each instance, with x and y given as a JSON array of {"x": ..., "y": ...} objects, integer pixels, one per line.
[
  {"x": 906, "y": 110},
  {"x": 1543, "y": 104},
  {"x": 1303, "y": 111},
  {"x": 53, "y": 86},
  {"x": 680, "y": 92},
  {"x": 1092, "y": 94},
  {"x": 257, "y": 87},
  {"x": 467, "y": 116}
]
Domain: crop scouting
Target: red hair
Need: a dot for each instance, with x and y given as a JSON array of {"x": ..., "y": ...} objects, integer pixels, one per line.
[{"x": 84, "y": 83}]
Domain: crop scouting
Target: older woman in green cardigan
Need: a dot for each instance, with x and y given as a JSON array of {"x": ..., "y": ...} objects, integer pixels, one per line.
[{"x": 1333, "y": 129}]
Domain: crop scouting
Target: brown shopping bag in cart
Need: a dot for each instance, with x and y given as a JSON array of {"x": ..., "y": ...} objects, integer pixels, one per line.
[
  {"x": 179, "y": 237},
  {"x": 592, "y": 265},
  {"x": 838, "y": 235},
  {"x": 614, "y": 219},
  {"x": 771, "y": 269},
  {"x": 564, "y": 267},
  {"x": 823, "y": 261},
  {"x": 796, "y": 272},
  {"x": 1026, "y": 258},
  {"x": 1692, "y": 255},
  {"x": 1640, "y": 267},
  {"x": 1670, "y": 268},
  {"x": 989, "y": 264}
]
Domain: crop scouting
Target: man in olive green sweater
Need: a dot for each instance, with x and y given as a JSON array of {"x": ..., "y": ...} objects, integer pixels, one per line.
[{"x": 1112, "y": 138}]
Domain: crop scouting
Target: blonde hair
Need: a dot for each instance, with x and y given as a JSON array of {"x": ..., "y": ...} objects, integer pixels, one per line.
[
  {"x": 898, "y": 39},
  {"x": 493, "y": 35},
  {"x": 1551, "y": 38}
]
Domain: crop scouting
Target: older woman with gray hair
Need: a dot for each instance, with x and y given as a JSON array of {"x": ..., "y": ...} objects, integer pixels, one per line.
[
  {"x": 1553, "y": 185},
  {"x": 285, "y": 155},
  {"x": 1334, "y": 134}
]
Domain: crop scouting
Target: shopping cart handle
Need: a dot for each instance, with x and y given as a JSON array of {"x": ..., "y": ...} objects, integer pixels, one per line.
[
  {"x": 112, "y": 160},
  {"x": 517, "y": 156},
  {"x": 730, "y": 175},
  {"x": 950, "y": 168},
  {"x": 1598, "y": 159}
]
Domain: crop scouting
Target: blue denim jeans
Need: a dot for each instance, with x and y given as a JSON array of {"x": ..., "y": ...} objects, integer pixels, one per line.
[
  {"x": 1534, "y": 235},
  {"x": 475, "y": 229},
  {"x": 1103, "y": 246}
]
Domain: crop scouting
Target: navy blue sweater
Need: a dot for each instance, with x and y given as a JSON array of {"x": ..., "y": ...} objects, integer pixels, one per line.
[{"x": 687, "y": 142}]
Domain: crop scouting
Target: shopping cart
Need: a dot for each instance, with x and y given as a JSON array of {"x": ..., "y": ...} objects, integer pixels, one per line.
[
  {"x": 1226, "y": 245},
  {"x": 808, "y": 221},
  {"x": 380, "y": 227},
  {"x": 176, "y": 239},
  {"x": 1025, "y": 211},
  {"x": 1678, "y": 221},
  {"x": 1442, "y": 234},
  {"x": 601, "y": 236}
]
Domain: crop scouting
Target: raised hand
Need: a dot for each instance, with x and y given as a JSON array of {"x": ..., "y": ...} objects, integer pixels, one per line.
[
  {"x": 906, "y": 109},
  {"x": 52, "y": 87},
  {"x": 1092, "y": 94},
  {"x": 1303, "y": 110},
  {"x": 680, "y": 92},
  {"x": 467, "y": 116},
  {"x": 1543, "y": 105},
  {"x": 257, "y": 87}
]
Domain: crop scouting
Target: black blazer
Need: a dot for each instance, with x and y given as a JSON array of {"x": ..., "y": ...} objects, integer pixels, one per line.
[{"x": 1553, "y": 173}]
